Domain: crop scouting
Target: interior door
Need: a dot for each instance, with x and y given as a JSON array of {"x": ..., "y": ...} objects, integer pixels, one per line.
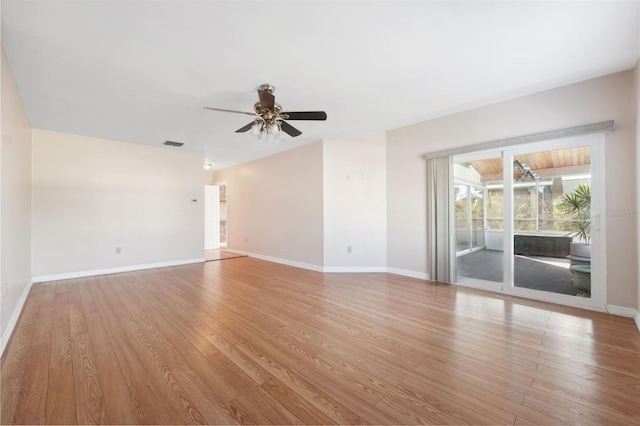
[{"x": 211, "y": 217}]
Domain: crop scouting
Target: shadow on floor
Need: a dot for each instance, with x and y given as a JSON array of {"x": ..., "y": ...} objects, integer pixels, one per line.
[{"x": 220, "y": 254}]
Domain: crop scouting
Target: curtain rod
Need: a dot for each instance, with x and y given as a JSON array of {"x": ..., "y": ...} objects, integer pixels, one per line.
[{"x": 585, "y": 129}]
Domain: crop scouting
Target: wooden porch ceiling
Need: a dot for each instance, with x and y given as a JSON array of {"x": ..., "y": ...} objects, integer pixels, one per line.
[{"x": 547, "y": 164}]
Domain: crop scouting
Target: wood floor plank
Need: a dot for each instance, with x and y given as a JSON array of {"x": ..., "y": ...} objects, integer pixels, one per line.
[
  {"x": 570, "y": 411},
  {"x": 156, "y": 309},
  {"x": 612, "y": 407},
  {"x": 100, "y": 342},
  {"x": 32, "y": 399},
  {"x": 150, "y": 409},
  {"x": 77, "y": 321},
  {"x": 250, "y": 341},
  {"x": 44, "y": 324},
  {"x": 409, "y": 408},
  {"x": 61, "y": 401},
  {"x": 477, "y": 407},
  {"x": 303, "y": 410},
  {"x": 10, "y": 395},
  {"x": 122, "y": 348},
  {"x": 89, "y": 305},
  {"x": 618, "y": 386},
  {"x": 93, "y": 412},
  {"x": 258, "y": 410},
  {"x": 213, "y": 410},
  {"x": 146, "y": 326},
  {"x": 343, "y": 391},
  {"x": 224, "y": 389},
  {"x": 116, "y": 393},
  {"x": 317, "y": 397},
  {"x": 60, "y": 330},
  {"x": 85, "y": 373}
]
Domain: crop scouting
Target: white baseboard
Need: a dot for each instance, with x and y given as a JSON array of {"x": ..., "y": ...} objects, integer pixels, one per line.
[
  {"x": 13, "y": 320},
  {"x": 408, "y": 273},
  {"x": 117, "y": 270},
  {"x": 622, "y": 311},
  {"x": 336, "y": 269},
  {"x": 353, "y": 269},
  {"x": 287, "y": 262}
]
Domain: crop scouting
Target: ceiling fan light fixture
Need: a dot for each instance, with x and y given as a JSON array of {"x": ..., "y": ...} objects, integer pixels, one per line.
[
  {"x": 256, "y": 128},
  {"x": 275, "y": 128}
]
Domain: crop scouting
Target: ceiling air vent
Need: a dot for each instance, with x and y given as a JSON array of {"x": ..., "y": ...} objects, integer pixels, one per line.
[{"x": 172, "y": 143}]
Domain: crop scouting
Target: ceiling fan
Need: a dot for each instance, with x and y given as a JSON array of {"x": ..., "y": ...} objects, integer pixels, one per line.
[{"x": 269, "y": 119}]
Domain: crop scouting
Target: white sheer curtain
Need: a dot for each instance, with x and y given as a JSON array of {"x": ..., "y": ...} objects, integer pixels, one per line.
[{"x": 439, "y": 216}]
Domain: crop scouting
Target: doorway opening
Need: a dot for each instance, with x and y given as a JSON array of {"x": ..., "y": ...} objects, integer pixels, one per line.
[{"x": 216, "y": 222}]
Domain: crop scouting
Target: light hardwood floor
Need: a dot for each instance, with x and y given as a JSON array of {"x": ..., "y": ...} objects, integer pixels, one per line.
[{"x": 248, "y": 341}]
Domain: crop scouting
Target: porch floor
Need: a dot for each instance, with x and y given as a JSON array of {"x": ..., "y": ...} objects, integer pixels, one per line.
[{"x": 538, "y": 273}]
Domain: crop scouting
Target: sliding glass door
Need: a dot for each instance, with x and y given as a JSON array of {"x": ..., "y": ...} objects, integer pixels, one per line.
[
  {"x": 478, "y": 233},
  {"x": 551, "y": 215},
  {"x": 540, "y": 204}
]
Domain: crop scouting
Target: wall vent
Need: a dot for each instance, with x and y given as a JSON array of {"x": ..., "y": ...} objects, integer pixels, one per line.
[{"x": 172, "y": 143}]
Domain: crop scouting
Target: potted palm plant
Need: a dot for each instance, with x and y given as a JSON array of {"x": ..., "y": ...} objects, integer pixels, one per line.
[{"x": 577, "y": 205}]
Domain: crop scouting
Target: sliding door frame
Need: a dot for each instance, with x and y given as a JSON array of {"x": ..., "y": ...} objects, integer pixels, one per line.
[{"x": 596, "y": 142}]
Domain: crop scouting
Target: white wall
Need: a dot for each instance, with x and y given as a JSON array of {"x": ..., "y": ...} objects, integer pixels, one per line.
[
  {"x": 274, "y": 206},
  {"x": 355, "y": 203},
  {"x": 15, "y": 199},
  {"x": 92, "y": 195},
  {"x": 605, "y": 98}
]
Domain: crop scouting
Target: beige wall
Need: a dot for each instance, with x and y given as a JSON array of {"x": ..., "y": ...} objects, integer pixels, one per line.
[
  {"x": 15, "y": 199},
  {"x": 275, "y": 205},
  {"x": 208, "y": 178},
  {"x": 604, "y": 98},
  {"x": 637, "y": 170},
  {"x": 92, "y": 195},
  {"x": 355, "y": 199}
]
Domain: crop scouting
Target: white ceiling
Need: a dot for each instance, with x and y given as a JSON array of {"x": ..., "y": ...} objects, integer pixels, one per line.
[{"x": 142, "y": 71}]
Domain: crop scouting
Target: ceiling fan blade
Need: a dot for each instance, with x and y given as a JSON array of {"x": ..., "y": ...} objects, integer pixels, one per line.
[
  {"x": 267, "y": 100},
  {"x": 306, "y": 115},
  {"x": 289, "y": 129},
  {"x": 229, "y": 110},
  {"x": 245, "y": 128}
]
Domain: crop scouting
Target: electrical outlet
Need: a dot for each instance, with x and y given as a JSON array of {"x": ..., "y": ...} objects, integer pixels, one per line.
[
  {"x": 118, "y": 250},
  {"x": 5, "y": 289},
  {"x": 348, "y": 249}
]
